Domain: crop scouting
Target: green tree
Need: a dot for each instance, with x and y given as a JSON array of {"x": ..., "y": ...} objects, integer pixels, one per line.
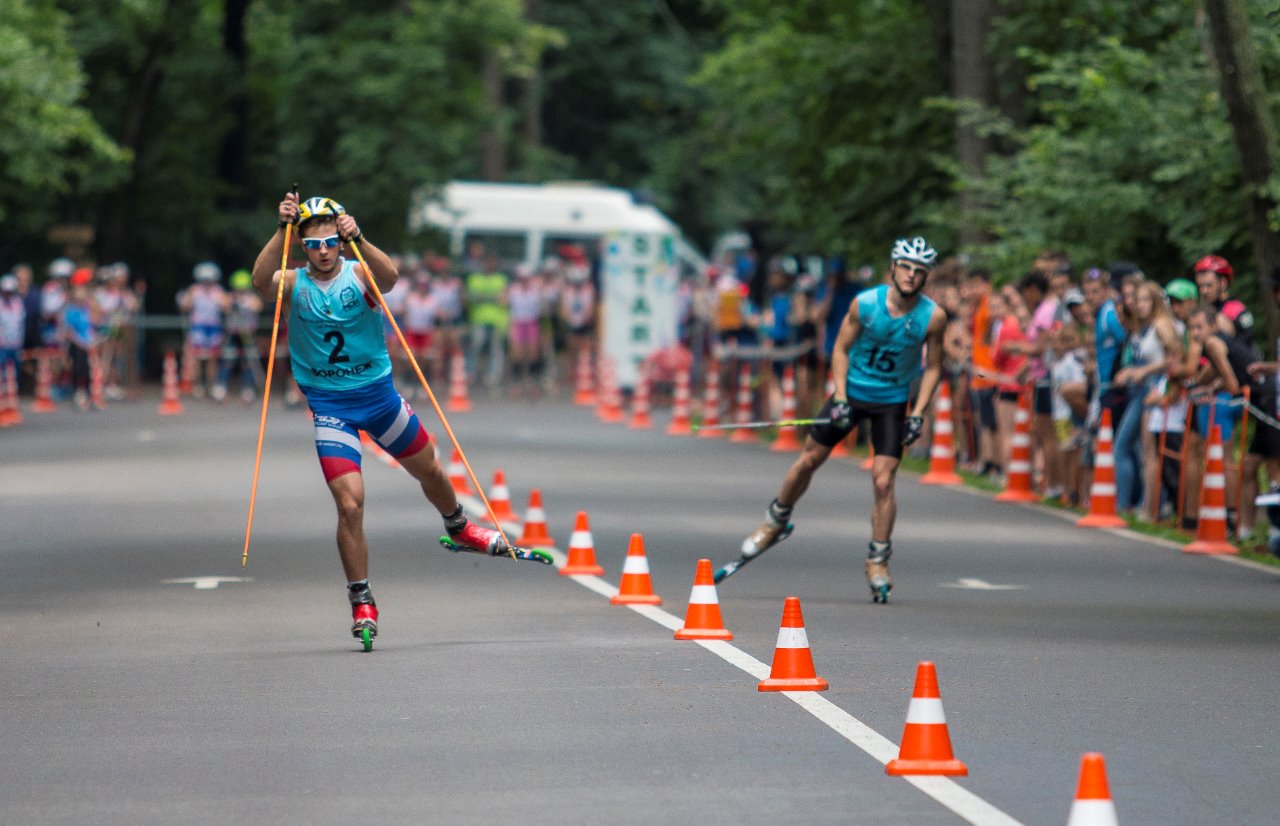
[{"x": 50, "y": 144}]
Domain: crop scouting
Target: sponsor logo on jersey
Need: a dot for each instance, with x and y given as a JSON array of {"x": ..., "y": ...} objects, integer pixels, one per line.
[
  {"x": 341, "y": 372},
  {"x": 349, "y": 298}
]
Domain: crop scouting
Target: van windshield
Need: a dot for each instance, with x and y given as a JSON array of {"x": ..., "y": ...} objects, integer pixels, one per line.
[{"x": 508, "y": 246}]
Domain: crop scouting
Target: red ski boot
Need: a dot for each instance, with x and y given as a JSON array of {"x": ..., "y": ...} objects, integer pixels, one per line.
[
  {"x": 364, "y": 623},
  {"x": 479, "y": 538}
]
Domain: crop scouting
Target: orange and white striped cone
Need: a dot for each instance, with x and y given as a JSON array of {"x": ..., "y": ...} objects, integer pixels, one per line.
[
  {"x": 535, "y": 533},
  {"x": 711, "y": 404},
  {"x": 1102, "y": 491},
  {"x": 10, "y": 414},
  {"x": 188, "y": 379},
  {"x": 500, "y": 499},
  {"x": 1017, "y": 486},
  {"x": 788, "y": 438},
  {"x": 792, "y": 668},
  {"x": 942, "y": 454},
  {"x": 926, "y": 745},
  {"x": 170, "y": 401},
  {"x": 459, "y": 401},
  {"x": 584, "y": 393},
  {"x": 640, "y": 418},
  {"x": 869, "y": 462},
  {"x": 458, "y": 475},
  {"x": 1093, "y": 805},
  {"x": 636, "y": 587},
  {"x": 1211, "y": 533},
  {"x": 702, "y": 620},
  {"x": 680, "y": 424},
  {"x": 97, "y": 382},
  {"x": 376, "y": 450},
  {"x": 609, "y": 405},
  {"x": 745, "y": 403},
  {"x": 582, "y": 550},
  {"x": 44, "y": 385}
]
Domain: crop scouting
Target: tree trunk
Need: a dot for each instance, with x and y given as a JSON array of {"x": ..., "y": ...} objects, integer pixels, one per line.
[
  {"x": 973, "y": 84},
  {"x": 232, "y": 162},
  {"x": 117, "y": 206},
  {"x": 533, "y": 93},
  {"x": 1244, "y": 91},
  {"x": 493, "y": 146}
]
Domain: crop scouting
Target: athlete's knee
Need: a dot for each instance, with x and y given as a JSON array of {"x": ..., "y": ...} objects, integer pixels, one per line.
[
  {"x": 350, "y": 506},
  {"x": 883, "y": 482}
]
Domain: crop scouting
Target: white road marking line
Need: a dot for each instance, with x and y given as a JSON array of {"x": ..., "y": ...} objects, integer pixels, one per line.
[
  {"x": 206, "y": 583},
  {"x": 964, "y": 803},
  {"x": 980, "y": 585}
]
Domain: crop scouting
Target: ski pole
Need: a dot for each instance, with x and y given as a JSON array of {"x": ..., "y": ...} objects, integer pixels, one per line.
[
  {"x": 266, "y": 388},
  {"x": 755, "y": 425},
  {"x": 355, "y": 247}
]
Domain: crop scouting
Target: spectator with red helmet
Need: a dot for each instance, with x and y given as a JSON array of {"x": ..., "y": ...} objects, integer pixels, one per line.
[
  {"x": 77, "y": 329},
  {"x": 1213, "y": 275}
]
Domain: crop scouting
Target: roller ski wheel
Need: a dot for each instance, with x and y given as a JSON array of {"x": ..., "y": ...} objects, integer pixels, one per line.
[
  {"x": 764, "y": 538},
  {"x": 526, "y": 554},
  {"x": 364, "y": 624}
]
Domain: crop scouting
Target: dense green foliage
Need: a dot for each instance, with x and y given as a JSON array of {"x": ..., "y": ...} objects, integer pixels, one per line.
[{"x": 827, "y": 125}]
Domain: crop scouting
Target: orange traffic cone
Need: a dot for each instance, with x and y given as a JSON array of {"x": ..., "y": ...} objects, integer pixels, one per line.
[
  {"x": 10, "y": 414},
  {"x": 942, "y": 455},
  {"x": 711, "y": 404},
  {"x": 636, "y": 588},
  {"x": 582, "y": 551},
  {"x": 458, "y": 475},
  {"x": 702, "y": 620},
  {"x": 1102, "y": 492},
  {"x": 500, "y": 499},
  {"x": 869, "y": 462},
  {"x": 640, "y": 418},
  {"x": 368, "y": 443},
  {"x": 1093, "y": 805},
  {"x": 609, "y": 399},
  {"x": 535, "y": 524},
  {"x": 926, "y": 745},
  {"x": 680, "y": 424},
  {"x": 745, "y": 399},
  {"x": 459, "y": 401},
  {"x": 1017, "y": 487},
  {"x": 788, "y": 438},
  {"x": 170, "y": 403},
  {"x": 1211, "y": 534},
  {"x": 44, "y": 385},
  {"x": 792, "y": 661},
  {"x": 584, "y": 393}
]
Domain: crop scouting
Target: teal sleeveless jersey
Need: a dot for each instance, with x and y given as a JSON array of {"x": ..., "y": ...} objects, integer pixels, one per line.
[
  {"x": 886, "y": 356},
  {"x": 335, "y": 334}
]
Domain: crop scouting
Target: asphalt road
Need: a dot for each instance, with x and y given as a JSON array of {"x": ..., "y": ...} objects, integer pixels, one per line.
[{"x": 501, "y": 692}]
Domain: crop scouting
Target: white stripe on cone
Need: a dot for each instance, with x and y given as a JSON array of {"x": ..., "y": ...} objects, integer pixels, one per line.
[
  {"x": 1215, "y": 451},
  {"x": 1105, "y": 460},
  {"x": 635, "y": 565},
  {"x": 581, "y": 539},
  {"x": 500, "y": 492},
  {"x": 536, "y": 515},
  {"x": 792, "y": 638},
  {"x": 1093, "y": 813},
  {"x": 704, "y": 595},
  {"x": 942, "y": 427},
  {"x": 1213, "y": 513},
  {"x": 1215, "y": 481},
  {"x": 1103, "y": 489},
  {"x": 926, "y": 710},
  {"x": 1019, "y": 467}
]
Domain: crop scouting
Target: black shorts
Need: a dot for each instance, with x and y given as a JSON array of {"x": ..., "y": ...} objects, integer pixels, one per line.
[
  {"x": 984, "y": 402},
  {"x": 1042, "y": 400},
  {"x": 888, "y": 425},
  {"x": 1265, "y": 441}
]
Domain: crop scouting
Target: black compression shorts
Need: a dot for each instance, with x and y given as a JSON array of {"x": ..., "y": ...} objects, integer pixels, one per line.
[{"x": 888, "y": 424}]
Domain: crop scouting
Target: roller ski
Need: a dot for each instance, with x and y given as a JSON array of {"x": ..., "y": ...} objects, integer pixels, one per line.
[
  {"x": 877, "y": 567},
  {"x": 364, "y": 615},
  {"x": 475, "y": 539},
  {"x": 777, "y": 527}
]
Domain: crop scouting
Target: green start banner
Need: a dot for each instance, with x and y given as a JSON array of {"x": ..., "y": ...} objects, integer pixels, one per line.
[{"x": 639, "y": 281}]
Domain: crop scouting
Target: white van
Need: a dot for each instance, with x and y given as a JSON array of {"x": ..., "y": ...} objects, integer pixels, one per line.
[{"x": 526, "y": 223}]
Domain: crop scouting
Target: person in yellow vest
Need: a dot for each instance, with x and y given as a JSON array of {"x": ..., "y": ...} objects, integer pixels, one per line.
[{"x": 486, "y": 293}]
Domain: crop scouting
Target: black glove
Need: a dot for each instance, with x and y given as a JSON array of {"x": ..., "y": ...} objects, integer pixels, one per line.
[
  {"x": 915, "y": 426},
  {"x": 841, "y": 415}
]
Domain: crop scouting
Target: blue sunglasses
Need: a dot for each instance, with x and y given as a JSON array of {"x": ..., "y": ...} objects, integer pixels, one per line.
[{"x": 327, "y": 242}]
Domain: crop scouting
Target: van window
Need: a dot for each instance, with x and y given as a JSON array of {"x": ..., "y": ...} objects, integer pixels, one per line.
[
  {"x": 508, "y": 246},
  {"x": 590, "y": 245}
]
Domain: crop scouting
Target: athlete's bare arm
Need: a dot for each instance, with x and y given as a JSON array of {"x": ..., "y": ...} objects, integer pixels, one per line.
[
  {"x": 850, "y": 328},
  {"x": 265, "y": 273},
  {"x": 934, "y": 350}
]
